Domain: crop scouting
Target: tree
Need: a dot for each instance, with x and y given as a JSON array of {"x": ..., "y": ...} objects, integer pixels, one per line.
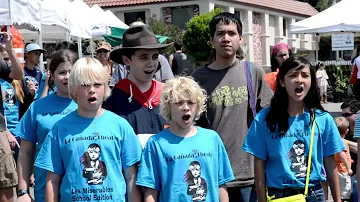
[
  {"x": 160, "y": 27},
  {"x": 196, "y": 38}
]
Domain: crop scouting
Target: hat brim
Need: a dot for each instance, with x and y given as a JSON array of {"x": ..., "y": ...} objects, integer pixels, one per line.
[
  {"x": 41, "y": 50},
  {"x": 116, "y": 55}
]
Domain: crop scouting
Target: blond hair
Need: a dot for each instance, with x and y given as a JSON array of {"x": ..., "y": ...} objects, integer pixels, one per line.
[
  {"x": 20, "y": 95},
  {"x": 176, "y": 89},
  {"x": 88, "y": 71},
  {"x": 342, "y": 124}
]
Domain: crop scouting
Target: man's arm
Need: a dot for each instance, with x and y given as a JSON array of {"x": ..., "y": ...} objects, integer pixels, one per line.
[
  {"x": 352, "y": 145},
  {"x": 171, "y": 58},
  {"x": 17, "y": 72},
  {"x": 133, "y": 191}
]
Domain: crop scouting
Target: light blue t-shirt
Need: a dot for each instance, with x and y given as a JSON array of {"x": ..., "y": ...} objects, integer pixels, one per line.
[
  {"x": 10, "y": 104},
  {"x": 357, "y": 127},
  {"x": 36, "y": 124},
  {"x": 185, "y": 169},
  {"x": 91, "y": 156},
  {"x": 41, "y": 87},
  {"x": 286, "y": 155}
]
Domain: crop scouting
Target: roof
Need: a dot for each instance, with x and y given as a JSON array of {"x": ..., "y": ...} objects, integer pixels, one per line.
[{"x": 288, "y": 6}]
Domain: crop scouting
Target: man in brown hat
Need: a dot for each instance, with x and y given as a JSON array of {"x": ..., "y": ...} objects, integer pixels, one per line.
[{"x": 137, "y": 97}]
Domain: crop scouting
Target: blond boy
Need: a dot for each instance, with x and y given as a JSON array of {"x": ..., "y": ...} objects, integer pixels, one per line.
[
  {"x": 184, "y": 162},
  {"x": 343, "y": 161},
  {"x": 91, "y": 154}
]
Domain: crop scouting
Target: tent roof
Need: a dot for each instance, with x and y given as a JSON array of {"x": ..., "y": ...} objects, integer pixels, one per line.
[{"x": 341, "y": 17}]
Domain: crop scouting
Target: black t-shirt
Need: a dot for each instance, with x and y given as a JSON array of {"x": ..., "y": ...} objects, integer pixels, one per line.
[
  {"x": 4, "y": 74},
  {"x": 182, "y": 65}
]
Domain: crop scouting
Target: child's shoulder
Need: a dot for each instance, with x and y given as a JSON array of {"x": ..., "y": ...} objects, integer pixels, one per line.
[{"x": 323, "y": 115}]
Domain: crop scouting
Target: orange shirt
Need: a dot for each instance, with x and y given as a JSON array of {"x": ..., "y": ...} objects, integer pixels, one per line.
[
  {"x": 270, "y": 78},
  {"x": 340, "y": 166}
]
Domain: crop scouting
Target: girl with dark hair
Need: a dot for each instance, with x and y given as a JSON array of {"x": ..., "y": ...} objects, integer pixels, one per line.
[
  {"x": 37, "y": 122},
  {"x": 280, "y": 53},
  {"x": 279, "y": 138}
]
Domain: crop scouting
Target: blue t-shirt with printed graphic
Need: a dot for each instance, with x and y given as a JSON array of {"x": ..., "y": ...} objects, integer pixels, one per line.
[
  {"x": 91, "y": 156},
  {"x": 41, "y": 87},
  {"x": 32, "y": 75},
  {"x": 185, "y": 169},
  {"x": 286, "y": 154},
  {"x": 10, "y": 104},
  {"x": 36, "y": 124}
]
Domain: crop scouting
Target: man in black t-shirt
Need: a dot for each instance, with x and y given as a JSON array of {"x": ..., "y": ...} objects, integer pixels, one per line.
[
  {"x": 180, "y": 63},
  {"x": 8, "y": 174}
]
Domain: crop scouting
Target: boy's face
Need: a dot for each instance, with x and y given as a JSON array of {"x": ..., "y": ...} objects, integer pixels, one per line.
[
  {"x": 90, "y": 97},
  {"x": 33, "y": 57},
  {"x": 143, "y": 64},
  {"x": 183, "y": 112},
  {"x": 226, "y": 40}
]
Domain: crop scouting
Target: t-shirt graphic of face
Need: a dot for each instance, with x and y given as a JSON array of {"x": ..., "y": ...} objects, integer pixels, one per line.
[
  {"x": 197, "y": 186},
  {"x": 94, "y": 170},
  {"x": 9, "y": 96},
  {"x": 29, "y": 79},
  {"x": 298, "y": 159}
]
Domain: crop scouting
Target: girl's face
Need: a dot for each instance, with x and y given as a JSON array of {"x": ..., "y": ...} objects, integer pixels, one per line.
[
  {"x": 195, "y": 170},
  {"x": 61, "y": 77},
  {"x": 322, "y": 67},
  {"x": 297, "y": 83},
  {"x": 299, "y": 149},
  {"x": 94, "y": 153}
]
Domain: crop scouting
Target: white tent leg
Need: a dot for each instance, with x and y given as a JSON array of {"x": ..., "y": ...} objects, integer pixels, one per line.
[
  {"x": 92, "y": 48},
  {"x": 79, "y": 47},
  {"x": 317, "y": 37},
  {"x": 40, "y": 43}
]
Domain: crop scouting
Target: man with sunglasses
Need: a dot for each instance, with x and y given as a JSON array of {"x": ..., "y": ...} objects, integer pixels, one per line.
[{"x": 350, "y": 110}]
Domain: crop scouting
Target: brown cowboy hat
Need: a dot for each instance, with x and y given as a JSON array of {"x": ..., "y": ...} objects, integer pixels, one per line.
[{"x": 137, "y": 37}]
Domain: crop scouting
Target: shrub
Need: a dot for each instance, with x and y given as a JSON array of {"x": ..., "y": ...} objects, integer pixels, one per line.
[{"x": 196, "y": 38}]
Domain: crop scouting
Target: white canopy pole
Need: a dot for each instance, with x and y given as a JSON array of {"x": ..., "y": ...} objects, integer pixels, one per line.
[
  {"x": 79, "y": 47},
  {"x": 40, "y": 43}
]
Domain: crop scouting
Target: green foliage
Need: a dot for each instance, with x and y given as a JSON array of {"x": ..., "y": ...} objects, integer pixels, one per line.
[
  {"x": 160, "y": 27},
  {"x": 341, "y": 81},
  {"x": 196, "y": 38}
]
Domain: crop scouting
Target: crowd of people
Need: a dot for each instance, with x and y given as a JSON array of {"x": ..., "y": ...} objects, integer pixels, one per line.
[{"x": 130, "y": 125}]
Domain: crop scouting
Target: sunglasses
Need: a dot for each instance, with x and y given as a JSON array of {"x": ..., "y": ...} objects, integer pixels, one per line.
[
  {"x": 282, "y": 55},
  {"x": 102, "y": 51},
  {"x": 347, "y": 114}
]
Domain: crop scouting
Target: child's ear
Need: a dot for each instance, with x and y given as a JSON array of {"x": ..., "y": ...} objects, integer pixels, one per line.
[{"x": 347, "y": 130}]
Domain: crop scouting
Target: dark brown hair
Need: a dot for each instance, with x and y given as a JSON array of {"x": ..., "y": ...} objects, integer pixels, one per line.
[{"x": 57, "y": 58}]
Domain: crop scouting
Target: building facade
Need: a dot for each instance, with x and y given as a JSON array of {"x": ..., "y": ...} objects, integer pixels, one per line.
[{"x": 265, "y": 22}]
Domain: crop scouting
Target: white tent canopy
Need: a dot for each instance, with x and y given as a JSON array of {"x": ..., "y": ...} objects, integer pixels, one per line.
[
  {"x": 79, "y": 14},
  {"x": 341, "y": 17},
  {"x": 20, "y": 12},
  {"x": 54, "y": 21},
  {"x": 113, "y": 21},
  {"x": 98, "y": 22}
]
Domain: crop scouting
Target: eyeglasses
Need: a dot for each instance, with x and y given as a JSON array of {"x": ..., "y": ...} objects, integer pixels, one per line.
[
  {"x": 347, "y": 114},
  {"x": 102, "y": 51}
]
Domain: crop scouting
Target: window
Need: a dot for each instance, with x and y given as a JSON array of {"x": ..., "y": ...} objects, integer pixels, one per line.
[
  {"x": 238, "y": 14},
  {"x": 134, "y": 16},
  {"x": 284, "y": 27},
  {"x": 181, "y": 15}
]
